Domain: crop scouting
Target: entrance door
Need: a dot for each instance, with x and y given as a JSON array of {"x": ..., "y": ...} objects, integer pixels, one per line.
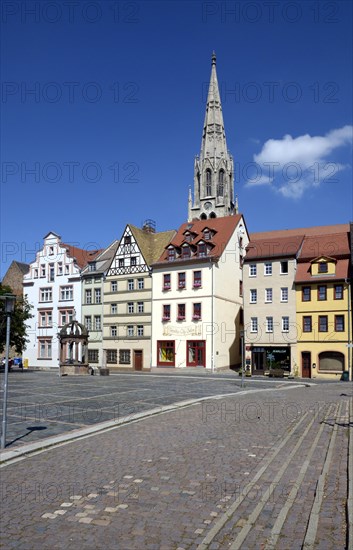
[
  {"x": 195, "y": 353},
  {"x": 306, "y": 364},
  {"x": 138, "y": 359}
]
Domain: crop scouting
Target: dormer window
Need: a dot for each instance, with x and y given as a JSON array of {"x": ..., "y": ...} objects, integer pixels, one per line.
[
  {"x": 92, "y": 266},
  {"x": 206, "y": 234},
  {"x": 188, "y": 237},
  {"x": 171, "y": 254},
  {"x": 323, "y": 268},
  {"x": 202, "y": 250},
  {"x": 186, "y": 252}
]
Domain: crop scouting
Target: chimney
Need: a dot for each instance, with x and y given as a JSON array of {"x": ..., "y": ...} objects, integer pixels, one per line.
[{"x": 149, "y": 226}]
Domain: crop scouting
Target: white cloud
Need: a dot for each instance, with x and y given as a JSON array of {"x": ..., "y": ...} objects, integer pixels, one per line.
[{"x": 292, "y": 165}]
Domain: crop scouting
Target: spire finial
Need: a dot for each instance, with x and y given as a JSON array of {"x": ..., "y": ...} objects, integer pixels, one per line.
[{"x": 213, "y": 57}]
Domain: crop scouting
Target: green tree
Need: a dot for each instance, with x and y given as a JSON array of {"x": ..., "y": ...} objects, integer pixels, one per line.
[{"x": 19, "y": 317}]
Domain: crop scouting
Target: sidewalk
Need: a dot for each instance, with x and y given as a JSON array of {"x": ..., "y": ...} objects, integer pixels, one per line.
[{"x": 206, "y": 476}]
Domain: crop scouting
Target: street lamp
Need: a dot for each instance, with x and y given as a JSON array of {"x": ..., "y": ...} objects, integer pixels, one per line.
[
  {"x": 9, "y": 308},
  {"x": 242, "y": 356}
]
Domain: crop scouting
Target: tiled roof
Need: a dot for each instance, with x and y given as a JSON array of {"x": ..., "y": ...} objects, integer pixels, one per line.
[
  {"x": 278, "y": 247},
  {"x": 151, "y": 244},
  {"x": 303, "y": 274},
  {"x": 222, "y": 228},
  {"x": 22, "y": 266},
  {"x": 103, "y": 259},
  {"x": 81, "y": 256},
  {"x": 331, "y": 244},
  {"x": 316, "y": 230}
]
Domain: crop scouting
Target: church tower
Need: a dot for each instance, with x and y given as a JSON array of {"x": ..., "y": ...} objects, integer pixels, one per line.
[{"x": 213, "y": 171}]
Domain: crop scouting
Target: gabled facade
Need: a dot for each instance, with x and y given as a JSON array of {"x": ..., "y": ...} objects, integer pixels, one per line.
[
  {"x": 213, "y": 195},
  {"x": 323, "y": 305},
  {"x": 92, "y": 313},
  {"x": 53, "y": 287},
  {"x": 270, "y": 330},
  {"x": 196, "y": 312},
  {"x": 128, "y": 296}
]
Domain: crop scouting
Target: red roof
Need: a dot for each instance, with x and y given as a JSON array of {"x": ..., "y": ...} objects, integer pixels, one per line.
[
  {"x": 222, "y": 229},
  {"x": 81, "y": 256},
  {"x": 316, "y": 230},
  {"x": 303, "y": 274},
  {"x": 277, "y": 247},
  {"x": 334, "y": 245}
]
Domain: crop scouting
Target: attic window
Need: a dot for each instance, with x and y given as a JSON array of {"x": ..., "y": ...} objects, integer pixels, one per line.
[
  {"x": 188, "y": 237},
  {"x": 207, "y": 234},
  {"x": 323, "y": 268},
  {"x": 92, "y": 266},
  {"x": 186, "y": 251},
  {"x": 127, "y": 239},
  {"x": 202, "y": 249},
  {"x": 171, "y": 254}
]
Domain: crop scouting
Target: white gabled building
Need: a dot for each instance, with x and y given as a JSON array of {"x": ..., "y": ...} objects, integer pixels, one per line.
[
  {"x": 197, "y": 296},
  {"x": 53, "y": 287}
]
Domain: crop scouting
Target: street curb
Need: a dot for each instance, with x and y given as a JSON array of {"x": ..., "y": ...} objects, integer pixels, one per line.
[{"x": 10, "y": 456}]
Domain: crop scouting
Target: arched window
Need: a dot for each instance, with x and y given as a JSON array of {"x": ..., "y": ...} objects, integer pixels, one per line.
[
  {"x": 220, "y": 189},
  {"x": 213, "y": 215},
  {"x": 331, "y": 361},
  {"x": 203, "y": 217},
  {"x": 208, "y": 182}
]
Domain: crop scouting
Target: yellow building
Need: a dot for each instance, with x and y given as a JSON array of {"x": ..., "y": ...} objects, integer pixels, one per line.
[{"x": 323, "y": 306}]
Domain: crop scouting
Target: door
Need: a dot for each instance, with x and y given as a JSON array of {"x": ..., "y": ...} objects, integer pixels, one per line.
[
  {"x": 138, "y": 359},
  {"x": 306, "y": 364},
  {"x": 196, "y": 353}
]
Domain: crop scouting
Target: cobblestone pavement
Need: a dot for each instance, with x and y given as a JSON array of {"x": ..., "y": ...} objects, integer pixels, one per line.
[
  {"x": 42, "y": 405},
  {"x": 251, "y": 471}
]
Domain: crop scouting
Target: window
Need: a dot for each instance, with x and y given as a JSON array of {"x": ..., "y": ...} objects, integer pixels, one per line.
[
  {"x": 124, "y": 357},
  {"x": 88, "y": 296},
  {"x": 114, "y": 286},
  {"x": 35, "y": 275},
  {"x": 307, "y": 323},
  {"x": 206, "y": 234},
  {"x": 92, "y": 266},
  {"x": 268, "y": 295},
  {"x": 208, "y": 182},
  {"x": 220, "y": 189},
  {"x": 166, "y": 312},
  {"x": 268, "y": 268},
  {"x": 93, "y": 355},
  {"x": 306, "y": 294},
  {"x": 166, "y": 281},
  {"x": 97, "y": 295},
  {"x": 45, "y": 348},
  {"x": 323, "y": 324},
  {"x": 121, "y": 262},
  {"x": 133, "y": 260},
  {"x": 197, "y": 279},
  {"x": 181, "y": 312},
  {"x": 253, "y": 324},
  {"x": 252, "y": 270},
  {"x": 284, "y": 267},
  {"x": 140, "y": 307},
  {"x": 51, "y": 273},
  {"x": 46, "y": 294},
  {"x": 139, "y": 330},
  {"x": 322, "y": 292},
  {"x": 113, "y": 331},
  {"x": 186, "y": 251},
  {"x": 130, "y": 307},
  {"x": 45, "y": 318},
  {"x": 331, "y": 361},
  {"x": 88, "y": 322},
  {"x": 65, "y": 316},
  {"x": 130, "y": 330},
  {"x": 196, "y": 315},
  {"x": 322, "y": 267},
  {"x": 112, "y": 356},
  {"x": 284, "y": 294},
  {"x": 51, "y": 251},
  {"x": 171, "y": 254},
  {"x": 269, "y": 324},
  {"x": 338, "y": 292},
  {"x": 42, "y": 270},
  {"x": 339, "y": 323},
  {"x": 181, "y": 280},
  {"x": 140, "y": 284},
  {"x": 202, "y": 250},
  {"x": 188, "y": 237},
  {"x": 127, "y": 239},
  {"x": 240, "y": 288},
  {"x": 97, "y": 279},
  {"x": 195, "y": 353},
  {"x": 130, "y": 284},
  {"x": 66, "y": 293},
  {"x": 253, "y": 296},
  {"x": 67, "y": 269},
  {"x": 285, "y": 324},
  {"x": 114, "y": 309},
  {"x": 165, "y": 352},
  {"x": 60, "y": 268},
  {"x": 97, "y": 322},
  {"x": 88, "y": 281}
]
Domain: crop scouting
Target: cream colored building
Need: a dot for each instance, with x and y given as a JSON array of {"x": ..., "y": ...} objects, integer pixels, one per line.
[{"x": 128, "y": 295}]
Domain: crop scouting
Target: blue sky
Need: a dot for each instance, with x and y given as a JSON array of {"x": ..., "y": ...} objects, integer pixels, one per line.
[{"x": 103, "y": 105}]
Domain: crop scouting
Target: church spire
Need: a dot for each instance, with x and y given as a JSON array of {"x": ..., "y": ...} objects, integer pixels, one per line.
[{"x": 213, "y": 170}]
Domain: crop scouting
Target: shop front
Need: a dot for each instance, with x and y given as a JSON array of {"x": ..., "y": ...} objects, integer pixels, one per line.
[{"x": 266, "y": 358}]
